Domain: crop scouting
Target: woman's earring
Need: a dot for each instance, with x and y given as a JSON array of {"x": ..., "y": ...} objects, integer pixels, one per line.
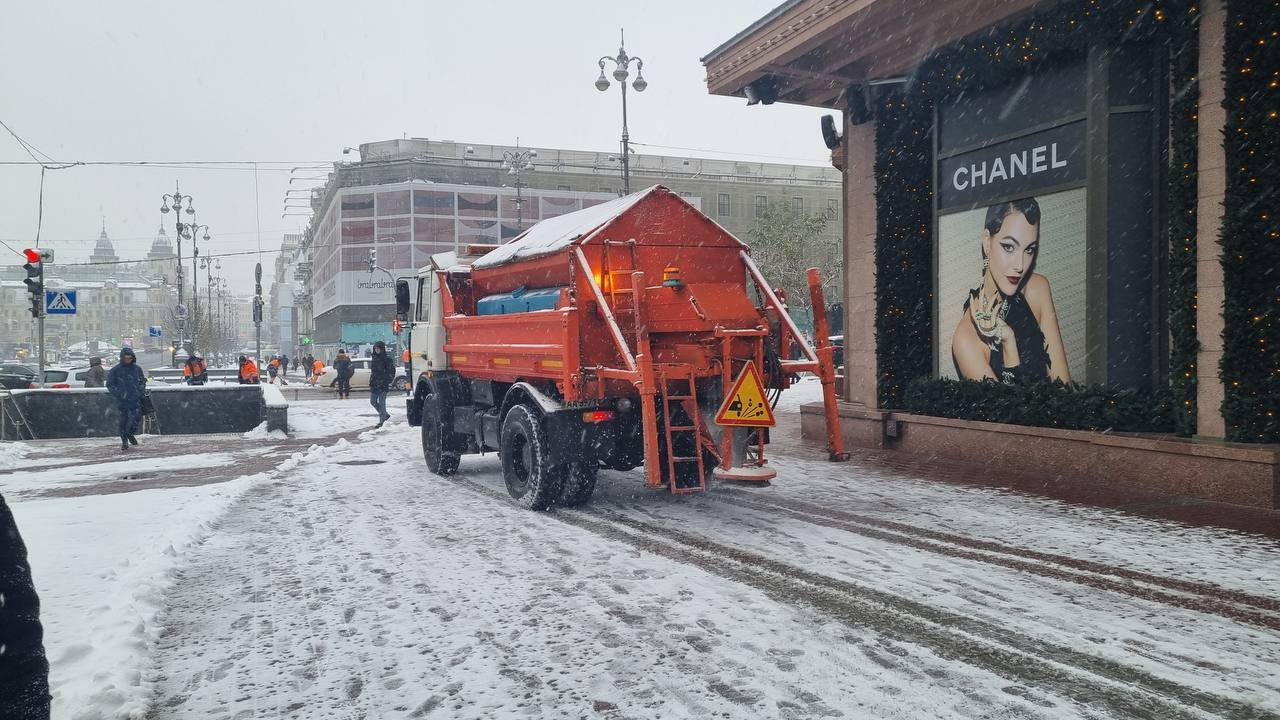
[{"x": 985, "y": 263}]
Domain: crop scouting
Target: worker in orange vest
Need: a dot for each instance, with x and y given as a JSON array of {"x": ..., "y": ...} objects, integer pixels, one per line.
[
  {"x": 194, "y": 371},
  {"x": 316, "y": 369},
  {"x": 248, "y": 371},
  {"x": 277, "y": 371},
  {"x": 405, "y": 357}
]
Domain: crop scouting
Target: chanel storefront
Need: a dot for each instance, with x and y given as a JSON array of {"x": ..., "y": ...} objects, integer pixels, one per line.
[{"x": 1044, "y": 248}]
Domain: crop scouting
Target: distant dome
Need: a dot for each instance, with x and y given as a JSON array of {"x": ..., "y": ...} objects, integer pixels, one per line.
[
  {"x": 161, "y": 248},
  {"x": 104, "y": 251}
]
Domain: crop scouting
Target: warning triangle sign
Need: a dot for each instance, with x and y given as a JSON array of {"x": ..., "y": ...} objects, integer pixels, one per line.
[{"x": 746, "y": 405}]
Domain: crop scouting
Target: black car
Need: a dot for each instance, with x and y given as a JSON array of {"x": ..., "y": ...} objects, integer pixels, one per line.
[{"x": 17, "y": 377}]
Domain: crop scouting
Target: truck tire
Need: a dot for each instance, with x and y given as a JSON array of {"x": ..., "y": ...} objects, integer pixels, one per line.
[
  {"x": 579, "y": 483},
  {"x": 435, "y": 436},
  {"x": 531, "y": 479}
]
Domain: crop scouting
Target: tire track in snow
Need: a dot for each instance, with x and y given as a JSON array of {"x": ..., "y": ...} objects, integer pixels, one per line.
[
  {"x": 1086, "y": 679},
  {"x": 1190, "y": 595}
]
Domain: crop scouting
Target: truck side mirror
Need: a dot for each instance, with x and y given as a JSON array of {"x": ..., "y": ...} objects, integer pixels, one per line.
[{"x": 402, "y": 300}]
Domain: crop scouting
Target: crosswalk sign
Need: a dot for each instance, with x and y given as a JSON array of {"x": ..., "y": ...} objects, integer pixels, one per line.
[
  {"x": 746, "y": 404},
  {"x": 60, "y": 302}
]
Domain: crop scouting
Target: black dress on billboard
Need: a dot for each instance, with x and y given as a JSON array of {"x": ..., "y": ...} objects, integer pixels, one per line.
[{"x": 1032, "y": 350}]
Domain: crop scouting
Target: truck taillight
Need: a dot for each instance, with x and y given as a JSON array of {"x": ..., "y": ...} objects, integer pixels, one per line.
[
  {"x": 597, "y": 416},
  {"x": 61, "y": 385}
]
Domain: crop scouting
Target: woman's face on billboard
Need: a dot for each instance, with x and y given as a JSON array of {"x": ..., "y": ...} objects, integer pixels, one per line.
[{"x": 1011, "y": 251}]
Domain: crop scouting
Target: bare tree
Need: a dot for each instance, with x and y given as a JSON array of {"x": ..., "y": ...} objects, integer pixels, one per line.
[{"x": 786, "y": 242}]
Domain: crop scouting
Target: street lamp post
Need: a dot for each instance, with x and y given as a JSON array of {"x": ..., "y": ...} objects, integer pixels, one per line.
[
  {"x": 192, "y": 229},
  {"x": 517, "y": 161},
  {"x": 622, "y": 65},
  {"x": 177, "y": 199}
]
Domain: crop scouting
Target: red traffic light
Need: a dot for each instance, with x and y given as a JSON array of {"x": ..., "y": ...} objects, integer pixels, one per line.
[{"x": 33, "y": 255}]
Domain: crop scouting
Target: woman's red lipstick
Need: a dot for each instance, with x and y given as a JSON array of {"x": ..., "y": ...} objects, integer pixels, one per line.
[{"x": 1013, "y": 279}]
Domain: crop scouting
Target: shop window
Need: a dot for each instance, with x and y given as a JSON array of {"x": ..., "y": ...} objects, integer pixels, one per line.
[
  {"x": 432, "y": 202},
  {"x": 477, "y": 205},
  {"x": 357, "y": 205},
  {"x": 722, "y": 204},
  {"x": 357, "y": 233},
  {"x": 393, "y": 203}
]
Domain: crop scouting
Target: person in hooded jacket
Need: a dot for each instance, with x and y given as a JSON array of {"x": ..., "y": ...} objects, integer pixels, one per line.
[
  {"x": 24, "y": 667},
  {"x": 342, "y": 364},
  {"x": 126, "y": 382},
  {"x": 96, "y": 377},
  {"x": 382, "y": 372}
]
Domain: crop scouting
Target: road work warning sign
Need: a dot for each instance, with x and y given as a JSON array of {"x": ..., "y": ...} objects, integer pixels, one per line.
[{"x": 746, "y": 405}]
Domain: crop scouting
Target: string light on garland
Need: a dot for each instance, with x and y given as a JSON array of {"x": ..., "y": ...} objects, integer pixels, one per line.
[{"x": 1250, "y": 253}]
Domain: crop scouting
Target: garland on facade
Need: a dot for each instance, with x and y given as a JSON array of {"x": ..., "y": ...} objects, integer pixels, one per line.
[
  {"x": 904, "y": 245},
  {"x": 1250, "y": 237},
  {"x": 904, "y": 186},
  {"x": 1047, "y": 404},
  {"x": 1184, "y": 111}
]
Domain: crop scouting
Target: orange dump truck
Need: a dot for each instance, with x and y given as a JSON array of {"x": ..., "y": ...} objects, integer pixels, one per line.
[{"x": 610, "y": 337}]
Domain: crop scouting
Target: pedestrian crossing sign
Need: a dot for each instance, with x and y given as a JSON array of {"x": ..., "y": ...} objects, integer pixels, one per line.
[
  {"x": 60, "y": 302},
  {"x": 746, "y": 404}
]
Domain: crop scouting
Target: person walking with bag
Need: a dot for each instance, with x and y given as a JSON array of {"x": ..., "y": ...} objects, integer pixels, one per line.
[
  {"x": 126, "y": 382},
  {"x": 382, "y": 372}
]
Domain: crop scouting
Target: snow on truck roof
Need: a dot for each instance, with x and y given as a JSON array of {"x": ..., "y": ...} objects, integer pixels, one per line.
[{"x": 555, "y": 234}]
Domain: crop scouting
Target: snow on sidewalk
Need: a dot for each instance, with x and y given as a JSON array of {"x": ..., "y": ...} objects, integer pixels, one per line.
[{"x": 102, "y": 564}]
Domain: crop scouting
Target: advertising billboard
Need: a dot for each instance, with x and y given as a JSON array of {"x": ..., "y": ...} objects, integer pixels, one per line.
[{"x": 1012, "y": 289}]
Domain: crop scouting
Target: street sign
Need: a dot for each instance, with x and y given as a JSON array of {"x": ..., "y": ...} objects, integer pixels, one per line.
[
  {"x": 153, "y": 331},
  {"x": 746, "y": 404},
  {"x": 60, "y": 302},
  {"x": 180, "y": 312}
]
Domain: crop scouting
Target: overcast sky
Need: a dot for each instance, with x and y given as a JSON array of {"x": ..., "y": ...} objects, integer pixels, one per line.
[{"x": 296, "y": 82}]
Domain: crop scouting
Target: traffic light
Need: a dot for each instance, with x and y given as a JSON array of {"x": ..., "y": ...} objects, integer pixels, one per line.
[
  {"x": 257, "y": 310},
  {"x": 395, "y": 326},
  {"x": 373, "y": 260},
  {"x": 35, "y": 277}
]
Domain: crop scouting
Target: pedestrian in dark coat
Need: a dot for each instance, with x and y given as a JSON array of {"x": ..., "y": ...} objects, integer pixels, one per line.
[
  {"x": 24, "y": 669},
  {"x": 284, "y": 365},
  {"x": 342, "y": 364},
  {"x": 96, "y": 377},
  {"x": 126, "y": 382},
  {"x": 382, "y": 372}
]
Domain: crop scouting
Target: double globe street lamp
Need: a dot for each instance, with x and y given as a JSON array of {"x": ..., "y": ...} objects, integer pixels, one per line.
[
  {"x": 184, "y": 231},
  {"x": 621, "y": 71}
]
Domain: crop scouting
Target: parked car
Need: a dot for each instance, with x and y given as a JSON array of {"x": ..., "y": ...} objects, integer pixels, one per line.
[
  {"x": 65, "y": 377},
  {"x": 17, "y": 377},
  {"x": 837, "y": 355},
  {"x": 360, "y": 380}
]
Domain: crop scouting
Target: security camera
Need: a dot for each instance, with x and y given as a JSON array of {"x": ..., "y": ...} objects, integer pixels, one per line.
[{"x": 830, "y": 135}]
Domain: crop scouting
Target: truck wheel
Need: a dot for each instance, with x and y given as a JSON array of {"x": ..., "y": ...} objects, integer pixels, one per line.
[
  {"x": 440, "y": 460},
  {"x": 579, "y": 483},
  {"x": 526, "y": 467}
]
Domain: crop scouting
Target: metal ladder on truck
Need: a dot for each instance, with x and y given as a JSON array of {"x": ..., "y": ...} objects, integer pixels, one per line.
[
  {"x": 688, "y": 401},
  {"x": 658, "y": 377}
]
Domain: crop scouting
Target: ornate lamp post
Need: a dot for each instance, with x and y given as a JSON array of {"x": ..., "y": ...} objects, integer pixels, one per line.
[
  {"x": 177, "y": 199},
  {"x": 622, "y": 65},
  {"x": 517, "y": 161}
]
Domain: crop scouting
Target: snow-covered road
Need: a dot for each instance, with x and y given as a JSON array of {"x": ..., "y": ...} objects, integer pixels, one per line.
[{"x": 348, "y": 582}]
